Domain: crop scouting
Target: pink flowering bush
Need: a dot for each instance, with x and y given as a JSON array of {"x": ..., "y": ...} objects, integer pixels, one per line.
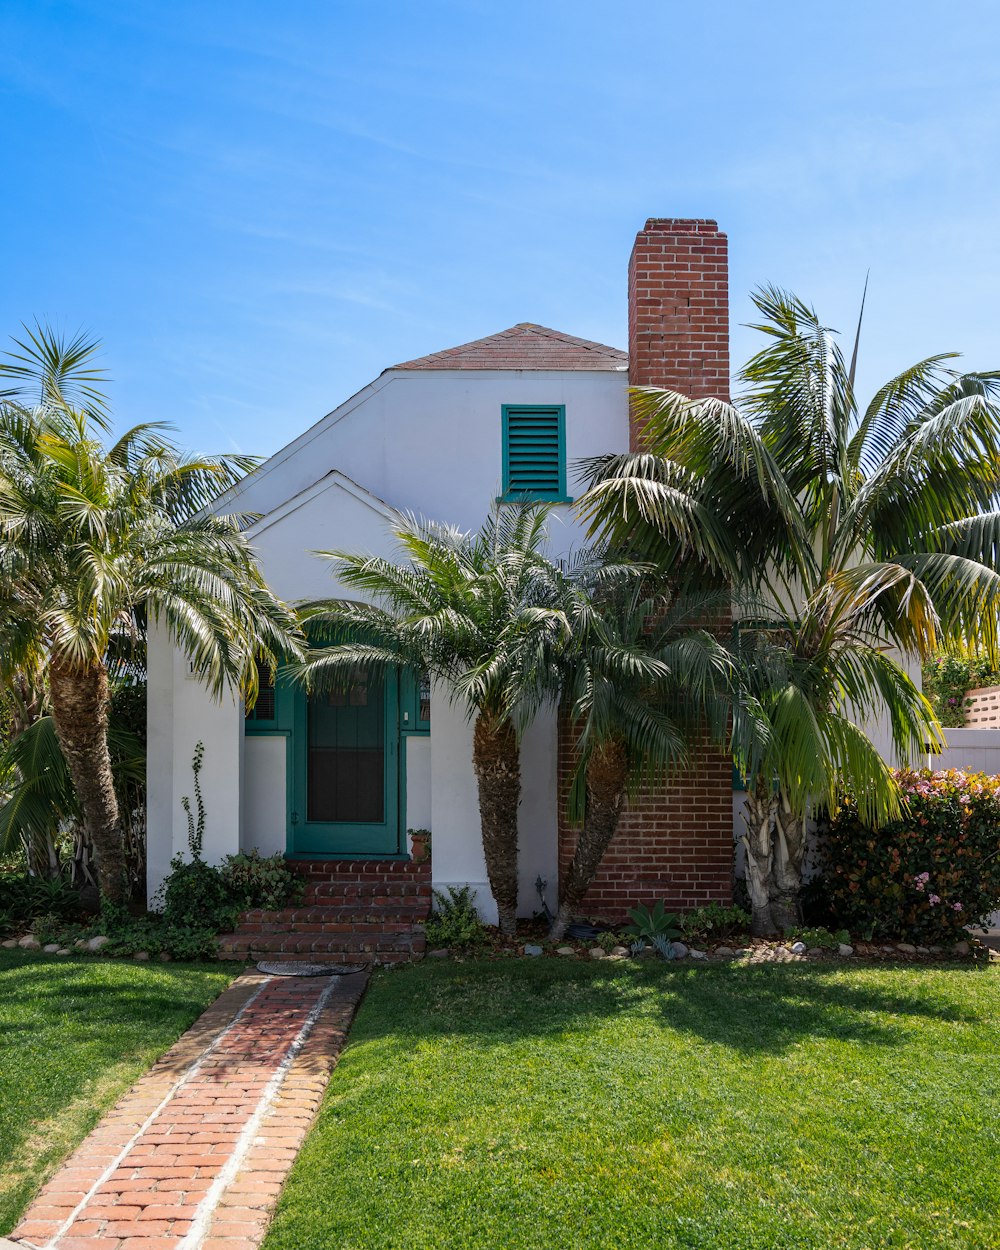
[{"x": 924, "y": 877}]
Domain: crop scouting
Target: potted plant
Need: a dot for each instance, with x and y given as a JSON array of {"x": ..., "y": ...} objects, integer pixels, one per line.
[{"x": 420, "y": 844}]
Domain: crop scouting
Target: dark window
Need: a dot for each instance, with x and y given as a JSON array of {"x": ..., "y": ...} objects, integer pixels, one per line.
[{"x": 263, "y": 709}]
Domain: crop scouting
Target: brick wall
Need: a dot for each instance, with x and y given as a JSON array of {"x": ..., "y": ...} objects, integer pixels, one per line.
[{"x": 676, "y": 842}]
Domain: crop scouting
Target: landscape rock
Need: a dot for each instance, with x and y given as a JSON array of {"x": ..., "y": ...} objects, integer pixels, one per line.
[
  {"x": 531, "y": 949},
  {"x": 80, "y": 943},
  {"x": 679, "y": 950},
  {"x": 698, "y": 954},
  {"x": 923, "y": 950},
  {"x": 935, "y": 950},
  {"x": 50, "y": 948},
  {"x": 64, "y": 950},
  {"x": 961, "y": 948},
  {"x": 29, "y": 943},
  {"x": 798, "y": 948},
  {"x": 98, "y": 943},
  {"x": 142, "y": 956},
  {"x": 620, "y": 951},
  {"x": 724, "y": 952},
  {"x": 845, "y": 950},
  {"x": 889, "y": 950},
  {"x": 9, "y": 944},
  {"x": 815, "y": 951},
  {"x": 565, "y": 950},
  {"x": 165, "y": 957},
  {"x": 906, "y": 947},
  {"x": 597, "y": 952},
  {"x": 441, "y": 953}
]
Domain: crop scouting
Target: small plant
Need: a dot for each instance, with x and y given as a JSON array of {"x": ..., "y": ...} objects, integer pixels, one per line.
[
  {"x": 608, "y": 941},
  {"x": 455, "y": 921},
  {"x": 195, "y": 894},
  {"x": 820, "y": 937},
  {"x": 196, "y": 827},
  {"x": 663, "y": 945},
  {"x": 656, "y": 921},
  {"x": 714, "y": 921}
]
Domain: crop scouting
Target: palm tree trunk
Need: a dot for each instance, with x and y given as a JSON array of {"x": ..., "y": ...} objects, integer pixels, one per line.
[
  {"x": 757, "y": 842},
  {"x": 607, "y": 776},
  {"x": 496, "y": 759},
  {"x": 786, "y": 884},
  {"x": 80, "y": 713}
]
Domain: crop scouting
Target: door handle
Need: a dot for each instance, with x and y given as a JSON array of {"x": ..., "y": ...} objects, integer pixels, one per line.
[{"x": 295, "y": 818}]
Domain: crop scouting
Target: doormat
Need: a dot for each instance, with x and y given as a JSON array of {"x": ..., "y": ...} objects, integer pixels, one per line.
[{"x": 291, "y": 968}]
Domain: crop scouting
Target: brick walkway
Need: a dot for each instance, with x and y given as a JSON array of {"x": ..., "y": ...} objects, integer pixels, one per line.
[{"x": 194, "y": 1155}]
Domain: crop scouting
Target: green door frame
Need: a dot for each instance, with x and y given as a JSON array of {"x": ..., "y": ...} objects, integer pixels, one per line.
[
  {"x": 287, "y": 718},
  {"x": 338, "y": 840}
]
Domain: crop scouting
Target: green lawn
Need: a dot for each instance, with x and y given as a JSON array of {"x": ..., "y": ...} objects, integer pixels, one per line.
[
  {"x": 609, "y": 1106},
  {"x": 75, "y": 1033}
]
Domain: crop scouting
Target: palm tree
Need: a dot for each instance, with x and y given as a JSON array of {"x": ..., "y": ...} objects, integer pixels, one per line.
[
  {"x": 858, "y": 532},
  {"x": 642, "y": 680},
  {"x": 96, "y": 537},
  {"x": 480, "y": 613}
]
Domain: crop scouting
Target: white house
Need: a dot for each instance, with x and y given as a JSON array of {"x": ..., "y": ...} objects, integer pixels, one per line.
[{"x": 340, "y": 779}]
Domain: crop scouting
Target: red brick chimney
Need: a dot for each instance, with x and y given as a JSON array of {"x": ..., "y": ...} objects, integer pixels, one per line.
[{"x": 678, "y": 309}]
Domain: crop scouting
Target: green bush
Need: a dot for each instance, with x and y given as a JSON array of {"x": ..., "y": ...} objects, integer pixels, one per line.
[
  {"x": 255, "y": 880},
  {"x": 818, "y": 935},
  {"x": 926, "y": 876},
  {"x": 714, "y": 921},
  {"x": 23, "y": 899},
  {"x": 454, "y": 921},
  {"x": 195, "y": 895}
]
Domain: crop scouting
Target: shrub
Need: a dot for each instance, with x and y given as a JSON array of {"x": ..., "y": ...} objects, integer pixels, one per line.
[
  {"x": 255, "y": 880},
  {"x": 926, "y": 876},
  {"x": 714, "y": 921},
  {"x": 24, "y": 898},
  {"x": 454, "y": 921},
  {"x": 818, "y": 935},
  {"x": 195, "y": 895}
]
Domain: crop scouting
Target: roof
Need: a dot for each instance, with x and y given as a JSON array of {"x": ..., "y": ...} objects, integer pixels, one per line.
[{"x": 524, "y": 346}]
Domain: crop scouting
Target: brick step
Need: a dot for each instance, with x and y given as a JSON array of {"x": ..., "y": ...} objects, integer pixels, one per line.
[
  {"x": 341, "y": 947},
  {"x": 315, "y": 919},
  {"x": 347, "y": 924},
  {"x": 357, "y": 896}
]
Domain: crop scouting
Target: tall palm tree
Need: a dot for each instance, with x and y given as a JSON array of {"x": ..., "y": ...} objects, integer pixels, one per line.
[
  {"x": 642, "y": 680},
  {"x": 858, "y": 531},
  {"x": 481, "y": 614},
  {"x": 96, "y": 537}
]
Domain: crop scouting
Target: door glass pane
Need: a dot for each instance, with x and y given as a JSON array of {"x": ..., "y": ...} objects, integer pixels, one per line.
[{"x": 347, "y": 753}]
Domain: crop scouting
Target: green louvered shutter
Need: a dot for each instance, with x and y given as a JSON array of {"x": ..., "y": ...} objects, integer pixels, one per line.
[{"x": 534, "y": 455}]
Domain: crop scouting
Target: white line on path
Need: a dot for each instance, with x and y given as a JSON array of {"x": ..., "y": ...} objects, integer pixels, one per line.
[
  {"x": 177, "y": 1085},
  {"x": 207, "y": 1207}
]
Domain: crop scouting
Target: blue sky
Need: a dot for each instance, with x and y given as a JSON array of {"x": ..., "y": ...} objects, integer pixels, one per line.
[{"x": 258, "y": 207}]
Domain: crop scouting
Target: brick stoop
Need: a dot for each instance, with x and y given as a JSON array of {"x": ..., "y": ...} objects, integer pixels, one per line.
[{"x": 352, "y": 911}]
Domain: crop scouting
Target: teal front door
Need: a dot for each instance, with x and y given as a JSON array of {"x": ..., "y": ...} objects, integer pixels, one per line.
[{"x": 345, "y": 746}]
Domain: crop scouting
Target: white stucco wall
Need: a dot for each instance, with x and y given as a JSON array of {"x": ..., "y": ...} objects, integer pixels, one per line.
[
  {"x": 457, "y": 843},
  {"x": 264, "y": 806},
  {"x": 427, "y": 442}
]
